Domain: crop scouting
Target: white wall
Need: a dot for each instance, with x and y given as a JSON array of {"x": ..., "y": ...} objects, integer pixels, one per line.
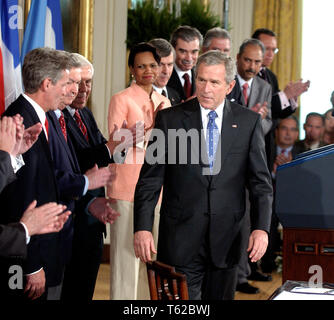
[{"x": 240, "y": 20}]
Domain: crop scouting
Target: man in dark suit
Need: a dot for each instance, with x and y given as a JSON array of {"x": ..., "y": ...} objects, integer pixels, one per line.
[
  {"x": 167, "y": 53},
  {"x": 45, "y": 76},
  {"x": 199, "y": 231},
  {"x": 187, "y": 42},
  {"x": 284, "y": 102},
  {"x": 72, "y": 183},
  {"x": 45, "y": 219},
  {"x": 90, "y": 148}
]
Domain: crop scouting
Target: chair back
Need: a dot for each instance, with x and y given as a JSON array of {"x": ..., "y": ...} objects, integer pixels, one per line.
[{"x": 165, "y": 283}]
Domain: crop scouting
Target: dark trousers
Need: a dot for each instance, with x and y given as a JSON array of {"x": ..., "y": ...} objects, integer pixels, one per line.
[
  {"x": 207, "y": 282},
  {"x": 81, "y": 273}
]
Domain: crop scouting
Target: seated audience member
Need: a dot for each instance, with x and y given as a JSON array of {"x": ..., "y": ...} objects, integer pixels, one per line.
[
  {"x": 137, "y": 103},
  {"x": 328, "y": 137},
  {"x": 167, "y": 54},
  {"x": 217, "y": 39},
  {"x": 286, "y": 134},
  {"x": 314, "y": 129}
]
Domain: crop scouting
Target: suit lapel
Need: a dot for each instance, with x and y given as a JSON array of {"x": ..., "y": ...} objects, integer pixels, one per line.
[
  {"x": 74, "y": 129},
  {"x": 228, "y": 135},
  {"x": 42, "y": 138},
  {"x": 254, "y": 93},
  {"x": 56, "y": 126},
  {"x": 193, "y": 121}
]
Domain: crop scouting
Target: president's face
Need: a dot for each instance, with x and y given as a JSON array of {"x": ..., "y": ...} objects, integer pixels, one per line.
[{"x": 211, "y": 87}]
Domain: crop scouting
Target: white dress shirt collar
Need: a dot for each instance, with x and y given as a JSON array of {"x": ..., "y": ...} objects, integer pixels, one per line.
[
  {"x": 39, "y": 110},
  {"x": 181, "y": 73},
  {"x": 219, "y": 120}
]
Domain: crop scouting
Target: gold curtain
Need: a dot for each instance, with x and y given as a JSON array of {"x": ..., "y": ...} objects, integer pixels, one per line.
[{"x": 284, "y": 17}]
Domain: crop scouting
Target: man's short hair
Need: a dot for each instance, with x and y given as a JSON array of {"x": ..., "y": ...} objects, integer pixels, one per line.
[
  {"x": 328, "y": 111},
  {"x": 251, "y": 42},
  {"x": 289, "y": 117},
  {"x": 84, "y": 62},
  {"x": 216, "y": 57},
  {"x": 258, "y": 32},
  {"x": 214, "y": 33},
  {"x": 187, "y": 34},
  {"x": 163, "y": 47},
  {"x": 315, "y": 114},
  {"x": 42, "y": 63}
]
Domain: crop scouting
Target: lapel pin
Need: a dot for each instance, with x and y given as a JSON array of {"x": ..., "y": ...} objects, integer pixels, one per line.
[{"x": 234, "y": 126}]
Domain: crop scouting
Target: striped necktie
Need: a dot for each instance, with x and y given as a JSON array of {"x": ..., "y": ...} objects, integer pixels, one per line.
[{"x": 80, "y": 124}]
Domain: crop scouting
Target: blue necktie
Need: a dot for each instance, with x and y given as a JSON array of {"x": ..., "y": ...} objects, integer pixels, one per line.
[{"x": 212, "y": 137}]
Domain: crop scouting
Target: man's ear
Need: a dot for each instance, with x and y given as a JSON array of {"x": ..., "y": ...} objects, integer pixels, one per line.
[
  {"x": 230, "y": 87},
  {"x": 45, "y": 85}
]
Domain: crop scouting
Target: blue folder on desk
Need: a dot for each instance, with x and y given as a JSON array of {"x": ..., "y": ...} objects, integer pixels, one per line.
[{"x": 305, "y": 190}]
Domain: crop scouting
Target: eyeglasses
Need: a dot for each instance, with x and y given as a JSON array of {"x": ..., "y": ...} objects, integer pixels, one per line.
[{"x": 273, "y": 50}]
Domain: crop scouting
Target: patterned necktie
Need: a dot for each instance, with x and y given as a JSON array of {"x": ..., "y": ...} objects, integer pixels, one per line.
[
  {"x": 80, "y": 124},
  {"x": 244, "y": 92},
  {"x": 46, "y": 124},
  {"x": 164, "y": 93},
  {"x": 187, "y": 85},
  {"x": 63, "y": 126},
  {"x": 212, "y": 137}
]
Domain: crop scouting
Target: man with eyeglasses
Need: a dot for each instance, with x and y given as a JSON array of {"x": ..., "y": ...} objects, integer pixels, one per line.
[{"x": 283, "y": 102}]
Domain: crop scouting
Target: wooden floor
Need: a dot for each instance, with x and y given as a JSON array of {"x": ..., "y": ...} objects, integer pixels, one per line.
[{"x": 266, "y": 288}]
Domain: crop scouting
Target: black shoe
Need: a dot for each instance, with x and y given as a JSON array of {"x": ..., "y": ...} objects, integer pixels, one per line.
[
  {"x": 258, "y": 276},
  {"x": 247, "y": 288},
  {"x": 268, "y": 267}
]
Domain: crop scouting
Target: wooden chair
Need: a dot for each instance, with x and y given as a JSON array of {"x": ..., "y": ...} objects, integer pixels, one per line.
[{"x": 165, "y": 283}]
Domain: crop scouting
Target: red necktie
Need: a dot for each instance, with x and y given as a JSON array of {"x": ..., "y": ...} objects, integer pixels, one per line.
[
  {"x": 187, "y": 85},
  {"x": 63, "y": 126},
  {"x": 46, "y": 124},
  {"x": 244, "y": 92},
  {"x": 80, "y": 124}
]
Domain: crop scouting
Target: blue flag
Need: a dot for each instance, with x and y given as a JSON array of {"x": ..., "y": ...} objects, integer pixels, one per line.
[
  {"x": 44, "y": 27},
  {"x": 10, "y": 67}
]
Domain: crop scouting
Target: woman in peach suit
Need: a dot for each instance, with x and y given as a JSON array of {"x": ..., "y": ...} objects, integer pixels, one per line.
[{"x": 137, "y": 103}]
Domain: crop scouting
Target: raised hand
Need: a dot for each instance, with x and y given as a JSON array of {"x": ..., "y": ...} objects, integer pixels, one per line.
[
  {"x": 99, "y": 177},
  {"x": 47, "y": 218},
  {"x": 7, "y": 135}
]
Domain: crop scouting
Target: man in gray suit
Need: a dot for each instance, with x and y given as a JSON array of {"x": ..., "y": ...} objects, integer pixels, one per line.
[
  {"x": 255, "y": 94},
  {"x": 251, "y": 91}
]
